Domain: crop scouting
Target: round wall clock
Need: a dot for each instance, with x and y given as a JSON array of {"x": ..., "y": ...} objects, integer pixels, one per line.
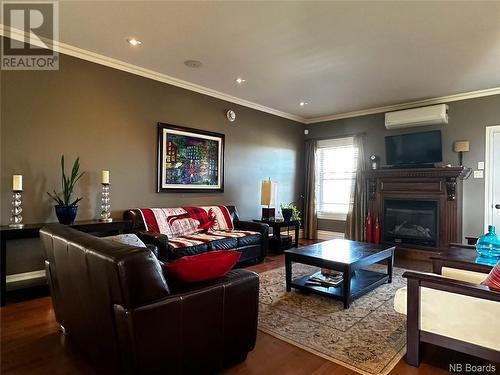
[{"x": 231, "y": 115}]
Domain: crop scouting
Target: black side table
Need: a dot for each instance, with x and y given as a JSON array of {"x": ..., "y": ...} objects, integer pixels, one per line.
[
  {"x": 277, "y": 244},
  {"x": 32, "y": 231}
]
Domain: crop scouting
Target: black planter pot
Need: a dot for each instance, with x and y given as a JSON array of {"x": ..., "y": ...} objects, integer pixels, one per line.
[
  {"x": 66, "y": 214},
  {"x": 287, "y": 213}
]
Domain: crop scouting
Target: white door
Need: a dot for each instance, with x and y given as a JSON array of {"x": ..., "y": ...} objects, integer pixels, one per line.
[{"x": 492, "y": 183}]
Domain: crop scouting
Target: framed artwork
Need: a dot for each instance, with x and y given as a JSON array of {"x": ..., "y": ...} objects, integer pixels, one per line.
[{"x": 189, "y": 160}]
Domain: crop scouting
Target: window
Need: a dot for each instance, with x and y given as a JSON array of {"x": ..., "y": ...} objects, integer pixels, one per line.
[{"x": 335, "y": 176}]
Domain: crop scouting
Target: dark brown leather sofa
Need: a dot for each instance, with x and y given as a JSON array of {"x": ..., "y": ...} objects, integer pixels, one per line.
[
  {"x": 252, "y": 248},
  {"x": 115, "y": 305}
]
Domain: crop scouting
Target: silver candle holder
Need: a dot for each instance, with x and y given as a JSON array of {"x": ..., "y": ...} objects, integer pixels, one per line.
[
  {"x": 105, "y": 206},
  {"x": 16, "y": 219}
]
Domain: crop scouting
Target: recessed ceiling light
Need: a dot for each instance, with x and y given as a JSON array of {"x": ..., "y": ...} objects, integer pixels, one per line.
[
  {"x": 195, "y": 64},
  {"x": 240, "y": 80},
  {"x": 134, "y": 42},
  {"x": 303, "y": 103}
]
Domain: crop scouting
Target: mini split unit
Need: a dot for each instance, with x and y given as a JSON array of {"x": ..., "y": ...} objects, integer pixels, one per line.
[{"x": 432, "y": 115}]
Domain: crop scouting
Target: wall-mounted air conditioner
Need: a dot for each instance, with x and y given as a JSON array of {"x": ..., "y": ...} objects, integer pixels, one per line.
[{"x": 432, "y": 115}]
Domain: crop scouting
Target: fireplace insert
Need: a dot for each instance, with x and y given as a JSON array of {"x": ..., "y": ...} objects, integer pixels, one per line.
[{"x": 411, "y": 222}]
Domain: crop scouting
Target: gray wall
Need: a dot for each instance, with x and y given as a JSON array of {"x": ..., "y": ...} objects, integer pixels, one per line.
[
  {"x": 108, "y": 118},
  {"x": 468, "y": 119}
]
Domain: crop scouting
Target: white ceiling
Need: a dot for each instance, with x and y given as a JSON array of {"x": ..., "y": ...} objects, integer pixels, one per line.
[{"x": 337, "y": 56}]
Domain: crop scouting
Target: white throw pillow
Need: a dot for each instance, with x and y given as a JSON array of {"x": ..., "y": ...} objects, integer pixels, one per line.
[{"x": 127, "y": 239}]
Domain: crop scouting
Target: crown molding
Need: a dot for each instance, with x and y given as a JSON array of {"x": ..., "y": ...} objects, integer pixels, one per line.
[
  {"x": 407, "y": 105},
  {"x": 80, "y": 53},
  {"x": 147, "y": 73}
]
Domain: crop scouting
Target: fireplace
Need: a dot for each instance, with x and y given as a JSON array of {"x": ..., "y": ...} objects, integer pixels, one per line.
[
  {"x": 418, "y": 209},
  {"x": 411, "y": 222}
]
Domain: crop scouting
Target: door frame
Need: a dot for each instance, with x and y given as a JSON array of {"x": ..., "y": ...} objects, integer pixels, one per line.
[{"x": 488, "y": 173}]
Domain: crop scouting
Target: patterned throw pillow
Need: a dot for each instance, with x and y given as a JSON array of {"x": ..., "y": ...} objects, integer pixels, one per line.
[
  {"x": 493, "y": 279},
  {"x": 127, "y": 239},
  {"x": 184, "y": 227}
]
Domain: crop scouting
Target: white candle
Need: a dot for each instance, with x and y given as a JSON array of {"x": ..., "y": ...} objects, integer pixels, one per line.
[
  {"x": 17, "y": 182},
  {"x": 105, "y": 177}
]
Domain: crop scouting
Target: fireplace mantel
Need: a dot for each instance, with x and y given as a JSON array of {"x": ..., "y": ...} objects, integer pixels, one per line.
[
  {"x": 442, "y": 185},
  {"x": 443, "y": 172}
]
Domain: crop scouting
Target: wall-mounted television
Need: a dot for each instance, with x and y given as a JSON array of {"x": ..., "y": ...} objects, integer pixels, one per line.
[{"x": 414, "y": 149}]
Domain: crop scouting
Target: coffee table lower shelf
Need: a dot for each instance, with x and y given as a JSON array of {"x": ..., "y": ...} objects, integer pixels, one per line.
[{"x": 361, "y": 283}]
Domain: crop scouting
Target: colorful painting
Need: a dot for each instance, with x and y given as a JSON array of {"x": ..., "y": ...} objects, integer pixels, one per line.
[{"x": 189, "y": 159}]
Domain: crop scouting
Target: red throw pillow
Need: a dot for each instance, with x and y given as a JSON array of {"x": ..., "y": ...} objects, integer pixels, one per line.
[
  {"x": 201, "y": 267},
  {"x": 493, "y": 279}
]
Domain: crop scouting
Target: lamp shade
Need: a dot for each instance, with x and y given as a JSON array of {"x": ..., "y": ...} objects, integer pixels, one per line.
[
  {"x": 461, "y": 146},
  {"x": 267, "y": 192},
  {"x": 17, "y": 182}
]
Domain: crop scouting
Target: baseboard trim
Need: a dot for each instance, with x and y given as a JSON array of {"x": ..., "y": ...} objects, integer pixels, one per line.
[
  {"x": 329, "y": 235},
  {"x": 17, "y": 277},
  {"x": 322, "y": 234}
]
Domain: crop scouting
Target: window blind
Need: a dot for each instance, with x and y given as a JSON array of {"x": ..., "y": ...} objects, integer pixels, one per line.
[{"x": 336, "y": 173}]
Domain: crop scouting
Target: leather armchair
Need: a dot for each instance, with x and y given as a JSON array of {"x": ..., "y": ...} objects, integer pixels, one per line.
[
  {"x": 116, "y": 306},
  {"x": 452, "y": 310}
]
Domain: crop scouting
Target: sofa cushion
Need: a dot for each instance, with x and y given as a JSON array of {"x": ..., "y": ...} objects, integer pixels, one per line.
[
  {"x": 205, "y": 241},
  {"x": 492, "y": 281},
  {"x": 233, "y": 233},
  {"x": 206, "y": 237},
  {"x": 226, "y": 243},
  {"x": 454, "y": 315},
  {"x": 251, "y": 239},
  {"x": 201, "y": 267},
  {"x": 179, "y": 252},
  {"x": 400, "y": 300},
  {"x": 463, "y": 275}
]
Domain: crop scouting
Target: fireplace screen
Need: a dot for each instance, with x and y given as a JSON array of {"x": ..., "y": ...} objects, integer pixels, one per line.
[{"x": 411, "y": 222}]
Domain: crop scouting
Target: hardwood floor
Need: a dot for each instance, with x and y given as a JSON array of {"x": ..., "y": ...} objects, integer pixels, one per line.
[{"x": 32, "y": 344}]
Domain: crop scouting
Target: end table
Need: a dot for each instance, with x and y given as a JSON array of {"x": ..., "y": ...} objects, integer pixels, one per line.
[{"x": 277, "y": 244}]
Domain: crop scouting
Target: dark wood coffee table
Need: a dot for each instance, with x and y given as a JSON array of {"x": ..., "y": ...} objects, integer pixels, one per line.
[{"x": 348, "y": 257}]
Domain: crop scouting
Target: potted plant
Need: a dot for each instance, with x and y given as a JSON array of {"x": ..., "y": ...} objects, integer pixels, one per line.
[
  {"x": 65, "y": 208},
  {"x": 290, "y": 212}
]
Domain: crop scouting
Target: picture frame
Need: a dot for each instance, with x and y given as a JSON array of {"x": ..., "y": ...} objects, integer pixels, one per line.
[{"x": 189, "y": 160}]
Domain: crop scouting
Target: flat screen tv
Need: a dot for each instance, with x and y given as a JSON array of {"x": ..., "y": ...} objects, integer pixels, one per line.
[{"x": 414, "y": 149}]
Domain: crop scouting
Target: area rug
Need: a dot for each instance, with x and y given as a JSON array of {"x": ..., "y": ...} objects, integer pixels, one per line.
[{"x": 369, "y": 337}]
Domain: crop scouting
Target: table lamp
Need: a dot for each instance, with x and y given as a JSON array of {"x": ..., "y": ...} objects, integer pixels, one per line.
[
  {"x": 461, "y": 147},
  {"x": 267, "y": 193}
]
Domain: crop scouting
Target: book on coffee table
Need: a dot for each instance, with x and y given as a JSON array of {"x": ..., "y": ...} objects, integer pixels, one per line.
[{"x": 326, "y": 280}]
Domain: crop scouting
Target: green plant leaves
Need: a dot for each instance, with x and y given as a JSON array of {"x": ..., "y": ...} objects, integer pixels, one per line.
[
  {"x": 68, "y": 184},
  {"x": 294, "y": 208}
]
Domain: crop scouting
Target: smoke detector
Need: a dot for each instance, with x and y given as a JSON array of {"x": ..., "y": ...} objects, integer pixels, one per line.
[{"x": 194, "y": 64}]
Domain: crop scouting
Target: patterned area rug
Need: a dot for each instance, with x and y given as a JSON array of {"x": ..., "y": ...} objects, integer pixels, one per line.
[{"x": 369, "y": 337}]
